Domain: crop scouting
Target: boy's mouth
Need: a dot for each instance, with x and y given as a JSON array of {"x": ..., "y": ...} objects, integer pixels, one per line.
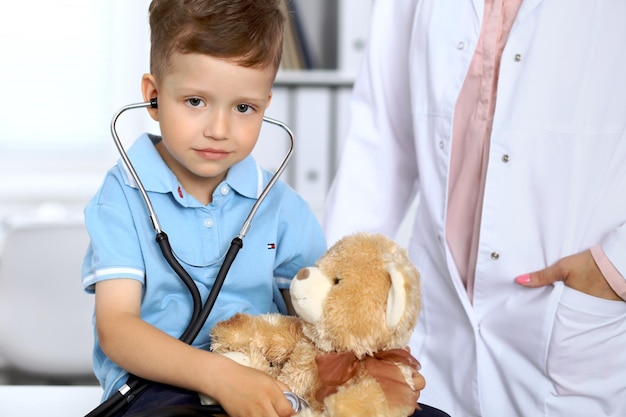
[{"x": 211, "y": 154}]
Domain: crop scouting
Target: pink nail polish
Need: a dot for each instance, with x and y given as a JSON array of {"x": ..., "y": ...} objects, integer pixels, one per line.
[{"x": 523, "y": 279}]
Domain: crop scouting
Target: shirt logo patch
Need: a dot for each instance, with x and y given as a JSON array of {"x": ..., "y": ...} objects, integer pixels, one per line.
[{"x": 271, "y": 246}]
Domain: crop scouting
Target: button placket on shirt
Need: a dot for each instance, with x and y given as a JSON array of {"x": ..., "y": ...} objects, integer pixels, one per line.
[{"x": 210, "y": 222}]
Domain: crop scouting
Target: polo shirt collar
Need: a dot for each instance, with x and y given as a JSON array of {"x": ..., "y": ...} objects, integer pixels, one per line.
[{"x": 243, "y": 177}]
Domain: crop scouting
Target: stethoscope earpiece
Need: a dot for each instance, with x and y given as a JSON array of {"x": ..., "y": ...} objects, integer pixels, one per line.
[{"x": 153, "y": 103}]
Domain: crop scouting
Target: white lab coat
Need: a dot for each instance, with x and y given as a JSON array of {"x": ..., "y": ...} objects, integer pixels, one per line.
[{"x": 555, "y": 186}]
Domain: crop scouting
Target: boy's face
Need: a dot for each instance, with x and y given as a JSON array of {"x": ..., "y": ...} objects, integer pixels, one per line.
[{"x": 210, "y": 113}]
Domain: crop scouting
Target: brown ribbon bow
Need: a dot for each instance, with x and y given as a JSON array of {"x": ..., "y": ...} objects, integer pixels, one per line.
[{"x": 335, "y": 369}]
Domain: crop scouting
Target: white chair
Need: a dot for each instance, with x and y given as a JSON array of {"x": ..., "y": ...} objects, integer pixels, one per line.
[{"x": 45, "y": 318}]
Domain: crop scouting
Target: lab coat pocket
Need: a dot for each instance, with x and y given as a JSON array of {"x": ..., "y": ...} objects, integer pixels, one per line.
[{"x": 586, "y": 358}]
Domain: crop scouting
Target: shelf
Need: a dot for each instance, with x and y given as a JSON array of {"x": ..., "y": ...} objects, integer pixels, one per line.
[{"x": 313, "y": 78}]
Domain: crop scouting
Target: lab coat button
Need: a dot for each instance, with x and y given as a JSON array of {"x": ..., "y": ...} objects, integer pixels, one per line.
[
  {"x": 461, "y": 45},
  {"x": 495, "y": 256},
  {"x": 505, "y": 158},
  {"x": 518, "y": 57},
  {"x": 224, "y": 190},
  {"x": 208, "y": 222},
  {"x": 441, "y": 145}
]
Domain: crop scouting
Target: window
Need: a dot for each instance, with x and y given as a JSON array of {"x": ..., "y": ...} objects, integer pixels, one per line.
[{"x": 66, "y": 67}]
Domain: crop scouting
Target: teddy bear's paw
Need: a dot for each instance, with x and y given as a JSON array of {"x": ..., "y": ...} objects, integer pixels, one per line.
[{"x": 239, "y": 357}]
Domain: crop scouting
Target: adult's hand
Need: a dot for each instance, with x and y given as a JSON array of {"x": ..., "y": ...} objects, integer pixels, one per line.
[{"x": 579, "y": 272}]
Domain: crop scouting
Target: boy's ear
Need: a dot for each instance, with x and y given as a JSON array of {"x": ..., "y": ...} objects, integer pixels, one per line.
[{"x": 150, "y": 91}]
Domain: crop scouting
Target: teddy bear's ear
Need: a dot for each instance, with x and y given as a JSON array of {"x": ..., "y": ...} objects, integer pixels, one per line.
[{"x": 397, "y": 297}]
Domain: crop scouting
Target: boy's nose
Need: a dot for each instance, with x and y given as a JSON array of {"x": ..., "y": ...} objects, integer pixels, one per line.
[{"x": 217, "y": 125}]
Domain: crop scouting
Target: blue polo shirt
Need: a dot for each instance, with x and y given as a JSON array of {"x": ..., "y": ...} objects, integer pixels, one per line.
[{"x": 284, "y": 237}]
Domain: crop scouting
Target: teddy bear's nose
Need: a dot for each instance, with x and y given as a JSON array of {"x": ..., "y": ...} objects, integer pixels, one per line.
[{"x": 303, "y": 274}]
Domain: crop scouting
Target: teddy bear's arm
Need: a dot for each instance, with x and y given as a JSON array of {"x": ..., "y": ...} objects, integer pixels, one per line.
[
  {"x": 275, "y": 335},
  {"x": 300, "y": 372}
]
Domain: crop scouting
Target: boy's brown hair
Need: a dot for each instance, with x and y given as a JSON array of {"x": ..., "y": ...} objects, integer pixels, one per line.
[{"x": 249, "y": 32}]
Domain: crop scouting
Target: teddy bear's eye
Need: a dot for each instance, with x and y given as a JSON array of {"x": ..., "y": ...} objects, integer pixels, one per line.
[{"x": 337, "y": 280}]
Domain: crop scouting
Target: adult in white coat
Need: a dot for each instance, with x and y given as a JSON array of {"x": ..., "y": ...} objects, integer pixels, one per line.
[{"x": 519, "y": 231}]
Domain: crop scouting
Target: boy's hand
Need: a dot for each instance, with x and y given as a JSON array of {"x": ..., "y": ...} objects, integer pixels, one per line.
[
  {"x": 245, "y": 392},
  {"x": 579, "y": 272}
]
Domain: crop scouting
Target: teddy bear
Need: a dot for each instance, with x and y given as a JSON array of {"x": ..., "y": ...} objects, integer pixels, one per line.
[{"x": 345, "y": 353}]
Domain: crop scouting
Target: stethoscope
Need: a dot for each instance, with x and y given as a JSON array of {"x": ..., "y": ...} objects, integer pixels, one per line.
[{"x": 135, "y": 385}]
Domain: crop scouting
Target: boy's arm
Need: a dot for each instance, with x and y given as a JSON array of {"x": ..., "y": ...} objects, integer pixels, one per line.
[{"x": 147, "y": 352}]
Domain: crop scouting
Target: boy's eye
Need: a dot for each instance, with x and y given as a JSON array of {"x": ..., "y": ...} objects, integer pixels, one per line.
[
  {"x": 194, "y": 102},
  {"x": 243, "y": 108}
]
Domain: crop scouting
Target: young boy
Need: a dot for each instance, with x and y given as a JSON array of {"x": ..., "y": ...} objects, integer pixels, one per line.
[{"x": 213, "y": 63}]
